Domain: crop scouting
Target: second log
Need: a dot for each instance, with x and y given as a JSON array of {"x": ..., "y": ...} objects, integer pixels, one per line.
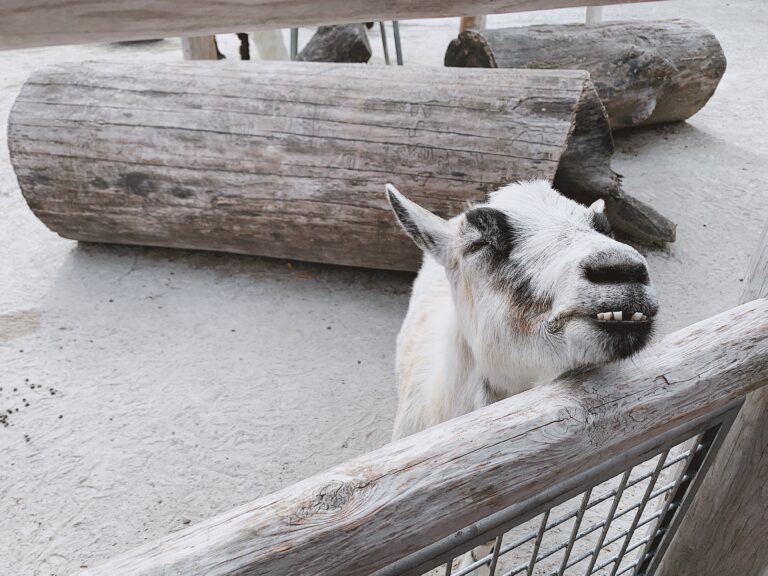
[{"x": 645, "y": 72}]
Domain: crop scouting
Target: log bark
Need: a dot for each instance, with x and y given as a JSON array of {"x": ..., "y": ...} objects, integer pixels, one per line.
[
  {"x": 291, "y": 162},
  {"x": 726, "y": 527},
  {"x": 529, "y": 451},
  {"x": 28, "y": 23},
  {"x": 645, "y": 72},
  {"x": 341, "y": 43}
]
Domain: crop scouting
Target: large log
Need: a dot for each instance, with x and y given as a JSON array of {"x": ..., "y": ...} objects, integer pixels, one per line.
[
  {"x": 726, "y": 528},
  {"x": 528, "y": 451},
  {"x": 27, "y": 23},
  {"x": 291, "y": 161},
  {"x": 644, "y": 72}
]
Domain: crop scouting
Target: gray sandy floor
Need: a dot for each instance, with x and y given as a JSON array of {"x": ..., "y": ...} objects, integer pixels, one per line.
[{"x": 153, "y": 388}]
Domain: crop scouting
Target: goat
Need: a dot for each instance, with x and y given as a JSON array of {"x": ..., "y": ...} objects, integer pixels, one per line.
[{"x": 511, "y": 293}]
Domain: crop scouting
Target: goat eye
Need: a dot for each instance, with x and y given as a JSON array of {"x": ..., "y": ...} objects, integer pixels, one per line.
[{"x": 475, "y": 246}]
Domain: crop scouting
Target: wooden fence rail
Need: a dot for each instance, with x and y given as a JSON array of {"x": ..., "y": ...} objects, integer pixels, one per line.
[
  {"x": 371, "y": 511},
  {"x": 27, "y": 23}
]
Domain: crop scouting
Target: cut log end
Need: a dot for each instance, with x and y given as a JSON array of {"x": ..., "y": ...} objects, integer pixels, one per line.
[{"x": 585, "y": 174}]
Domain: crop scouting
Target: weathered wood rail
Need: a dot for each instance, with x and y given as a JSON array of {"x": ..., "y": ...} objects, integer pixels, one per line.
[
  {"x": 292, "y": 162},
  {"x": 27, "y": 23},
  {"x": 371, "y": 511}
]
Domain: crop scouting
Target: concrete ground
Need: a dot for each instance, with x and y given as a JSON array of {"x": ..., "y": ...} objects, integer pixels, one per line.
[{"x": 151, "y": 388}]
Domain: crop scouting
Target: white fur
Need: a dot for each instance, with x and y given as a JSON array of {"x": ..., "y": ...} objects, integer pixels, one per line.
[
  {"x": 467, "y": 342},
  {"x": 460, "y": 331}
]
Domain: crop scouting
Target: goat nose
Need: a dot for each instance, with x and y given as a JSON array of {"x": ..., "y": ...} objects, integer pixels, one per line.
[{"x": 614, "y": 271}]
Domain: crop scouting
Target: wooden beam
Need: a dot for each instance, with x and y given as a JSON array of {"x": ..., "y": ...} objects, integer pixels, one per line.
[
  {"x": 367, "y": 513},
  {"x": 726, "y": 528},
  {"x": 27, "y": 23},
  {"x": 200, "y": 48},
  {"x": 290, "y": 161}
]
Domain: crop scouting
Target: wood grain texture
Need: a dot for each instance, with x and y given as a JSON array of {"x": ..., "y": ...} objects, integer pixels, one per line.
[
  {"x": 727, "y": 525},
  {"x": 28, "y": 23},
  {"x": 644, "y": 72},
  {"x": 368, "y": 512},
  {"x": 290, "y": 161}
]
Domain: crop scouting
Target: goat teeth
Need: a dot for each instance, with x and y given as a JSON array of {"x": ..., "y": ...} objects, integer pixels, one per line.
[
  {"x": 637, "y": 316},
  {"x": 601, "y": 316},
  {"x": 643, "y": 317},
  {"x": 617, "y": 315}
]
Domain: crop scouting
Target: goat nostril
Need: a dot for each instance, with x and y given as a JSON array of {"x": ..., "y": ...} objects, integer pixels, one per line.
[{"x": 616, "y": 273}]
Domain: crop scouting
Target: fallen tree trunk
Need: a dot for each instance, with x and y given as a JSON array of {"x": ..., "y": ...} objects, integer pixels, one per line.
[
  {"x": 342, "y": 43},
  {"x": 644, "y": 72},
  {"x": 290, "y": 162}
]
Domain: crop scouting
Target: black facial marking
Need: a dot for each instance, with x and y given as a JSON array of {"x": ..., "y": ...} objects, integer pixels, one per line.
[
  {"x": 601, "y": 224},
  {"x": 422, "y": 238},
  {"x": 495, "y": 232},
  {"x": 516, "y": 283},
  {"x": 616, "y": 272},
  {"x": 499, "y": 240}
]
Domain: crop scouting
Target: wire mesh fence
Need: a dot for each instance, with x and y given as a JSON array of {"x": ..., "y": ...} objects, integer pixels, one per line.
[{"x": 619, "y": 525}]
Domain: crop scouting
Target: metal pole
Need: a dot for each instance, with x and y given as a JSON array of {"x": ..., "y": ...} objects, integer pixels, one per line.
[
  {"x": 384, "y": 41},
  {"x": 398, "y": 47},
  {"x": 294, "y": 43}
]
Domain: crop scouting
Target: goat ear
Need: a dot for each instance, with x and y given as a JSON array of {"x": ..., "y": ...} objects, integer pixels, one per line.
[
  {"x": 430, "y": 232},
  {"x": 598, "y": 206}
]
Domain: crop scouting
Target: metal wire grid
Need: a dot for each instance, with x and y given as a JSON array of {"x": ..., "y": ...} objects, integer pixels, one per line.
[{"x": 581, "y": 535}]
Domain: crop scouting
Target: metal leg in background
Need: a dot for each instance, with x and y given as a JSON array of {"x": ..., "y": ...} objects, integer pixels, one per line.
[
  {"x": 294, "y": 43},
  {"x": 384, "y": 42},
  {"x": 398, "y": 47}
]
